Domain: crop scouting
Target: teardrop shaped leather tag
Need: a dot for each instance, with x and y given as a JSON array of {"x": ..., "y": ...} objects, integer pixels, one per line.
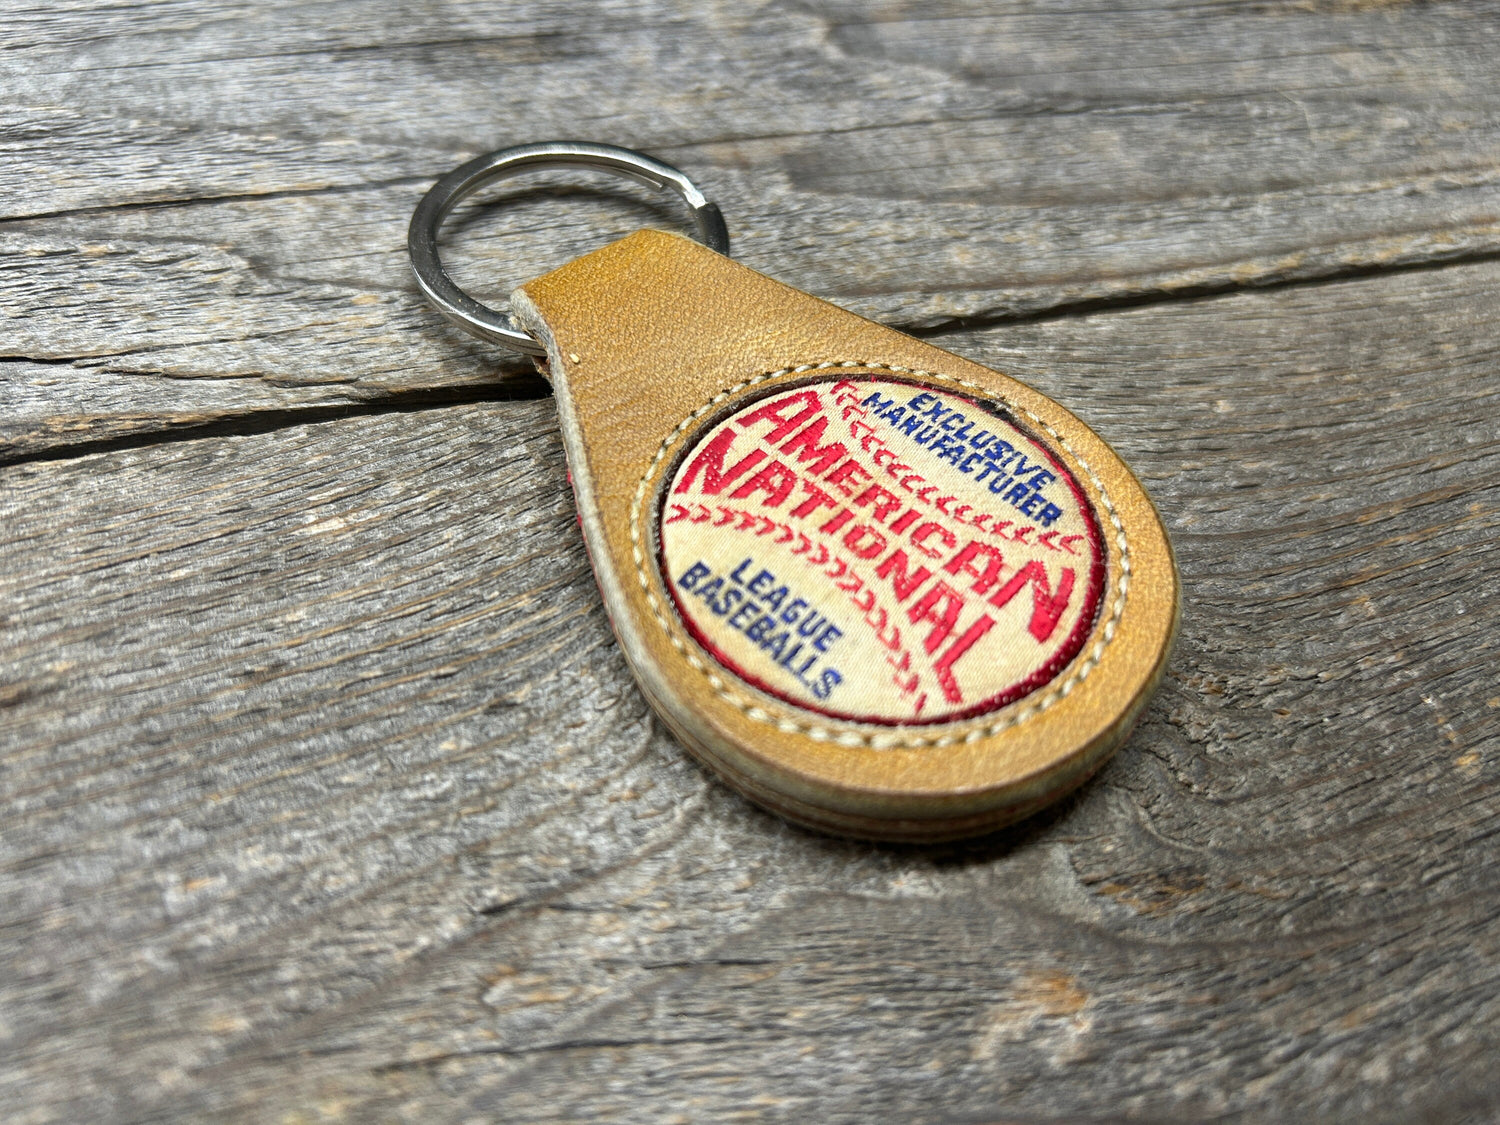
[{"x": 882, "y": 590}]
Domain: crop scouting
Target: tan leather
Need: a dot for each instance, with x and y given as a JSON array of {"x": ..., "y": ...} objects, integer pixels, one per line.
[{"x": 652, "y": 341}]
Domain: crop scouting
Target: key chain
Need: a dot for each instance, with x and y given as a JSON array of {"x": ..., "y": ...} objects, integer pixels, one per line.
[{"x": 879, "y": 589}]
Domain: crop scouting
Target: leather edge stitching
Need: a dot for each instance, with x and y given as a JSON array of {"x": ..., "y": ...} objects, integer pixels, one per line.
[{"x": 881, "y": 741}]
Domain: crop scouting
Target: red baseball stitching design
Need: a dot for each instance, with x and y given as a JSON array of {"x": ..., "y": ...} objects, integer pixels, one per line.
[{"x": 848, "y": 734}]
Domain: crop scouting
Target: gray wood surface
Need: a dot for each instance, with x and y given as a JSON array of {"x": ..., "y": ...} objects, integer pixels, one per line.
[{"x": 327, "y": 794}]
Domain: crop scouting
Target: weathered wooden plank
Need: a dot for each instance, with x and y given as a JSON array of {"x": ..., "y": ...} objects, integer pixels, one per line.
[
  {"x": 214, "y": 191},
  {"x": 327, "y": 793}
]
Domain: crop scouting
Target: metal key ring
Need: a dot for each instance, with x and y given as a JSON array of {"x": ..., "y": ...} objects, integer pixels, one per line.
[{"x": 491, "y": 324}]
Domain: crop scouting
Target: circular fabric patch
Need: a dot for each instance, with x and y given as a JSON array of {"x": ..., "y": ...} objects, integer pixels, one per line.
[{"x": 881, "y": 551}]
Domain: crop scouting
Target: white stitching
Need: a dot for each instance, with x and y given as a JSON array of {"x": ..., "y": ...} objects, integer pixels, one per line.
[{"x": 849, "y": 737}]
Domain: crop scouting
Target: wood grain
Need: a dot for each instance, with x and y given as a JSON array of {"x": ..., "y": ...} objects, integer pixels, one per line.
[
  {"x": 330, "y": 796},
  {"x": 204, "y": 203},
  {"x": 327, "y": 795}
]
